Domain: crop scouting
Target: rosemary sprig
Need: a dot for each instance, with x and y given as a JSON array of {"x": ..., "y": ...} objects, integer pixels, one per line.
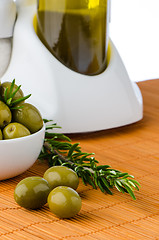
[
  {"x": 9, "y": 94},
  {"x": 59, "y": 150}
]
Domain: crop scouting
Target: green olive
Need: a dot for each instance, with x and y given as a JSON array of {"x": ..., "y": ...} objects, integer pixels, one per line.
[
  {"x": 64, "y": 202},
  {"x": 5, "y": 85},
  {"x": 32, "y": 192},
  {"x": 1, "y": 136},
  {"x": 5, "y": 115},
  {"x": 15, "y": 130},
  {"x": 29, "y": 116},
  {"x": 61, "y": 176}
]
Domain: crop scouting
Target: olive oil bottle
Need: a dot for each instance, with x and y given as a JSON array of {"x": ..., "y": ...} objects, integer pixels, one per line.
[{"x": 75, "y": 32}]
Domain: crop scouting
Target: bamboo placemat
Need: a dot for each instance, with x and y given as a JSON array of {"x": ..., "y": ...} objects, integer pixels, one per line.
[{"x": 133, "y": 149}]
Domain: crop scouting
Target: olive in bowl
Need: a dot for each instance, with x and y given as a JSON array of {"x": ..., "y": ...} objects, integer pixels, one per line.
[
  {"x": 15, "y": 130},
  {"x": 19, "y": 154},
  {"x": 29, "y": 116},
  {"x": 5, "y": 86}
]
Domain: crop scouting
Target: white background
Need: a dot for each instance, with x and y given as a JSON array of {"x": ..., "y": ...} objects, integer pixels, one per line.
[{"x": 134, "y": 29}]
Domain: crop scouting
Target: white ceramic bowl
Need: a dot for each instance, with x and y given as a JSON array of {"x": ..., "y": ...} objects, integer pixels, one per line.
[{"x": 19, "y": 154}]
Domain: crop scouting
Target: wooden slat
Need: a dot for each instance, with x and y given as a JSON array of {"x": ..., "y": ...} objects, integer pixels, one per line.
[{"x": 133, "y": 149}]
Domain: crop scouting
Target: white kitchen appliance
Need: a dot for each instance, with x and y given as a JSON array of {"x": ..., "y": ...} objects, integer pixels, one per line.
[{"x": 77, "y": 102}]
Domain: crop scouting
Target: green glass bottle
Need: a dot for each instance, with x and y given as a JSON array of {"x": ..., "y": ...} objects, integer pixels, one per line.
[{"x": 75, "y": 32}]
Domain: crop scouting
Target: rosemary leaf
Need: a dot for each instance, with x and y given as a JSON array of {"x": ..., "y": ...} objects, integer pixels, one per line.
[
  {"x": 11, "y": 93},
  {"x": 119, "y": 188},
  {"x": 5, "y": 95},
  {"x": 11, "y": 89},
  {"x": 72, "y": 149},
  {"x": 106, "y": 185},
  {"x": 130, "y": 192},
  {"x": 133, "y": 184},
  {"x": 19, "y": 100}
]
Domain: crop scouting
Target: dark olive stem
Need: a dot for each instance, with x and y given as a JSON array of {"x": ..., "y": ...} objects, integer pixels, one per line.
[
  {"x": 61, "y": 157},
  {"x": 64, "y": 159}
]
